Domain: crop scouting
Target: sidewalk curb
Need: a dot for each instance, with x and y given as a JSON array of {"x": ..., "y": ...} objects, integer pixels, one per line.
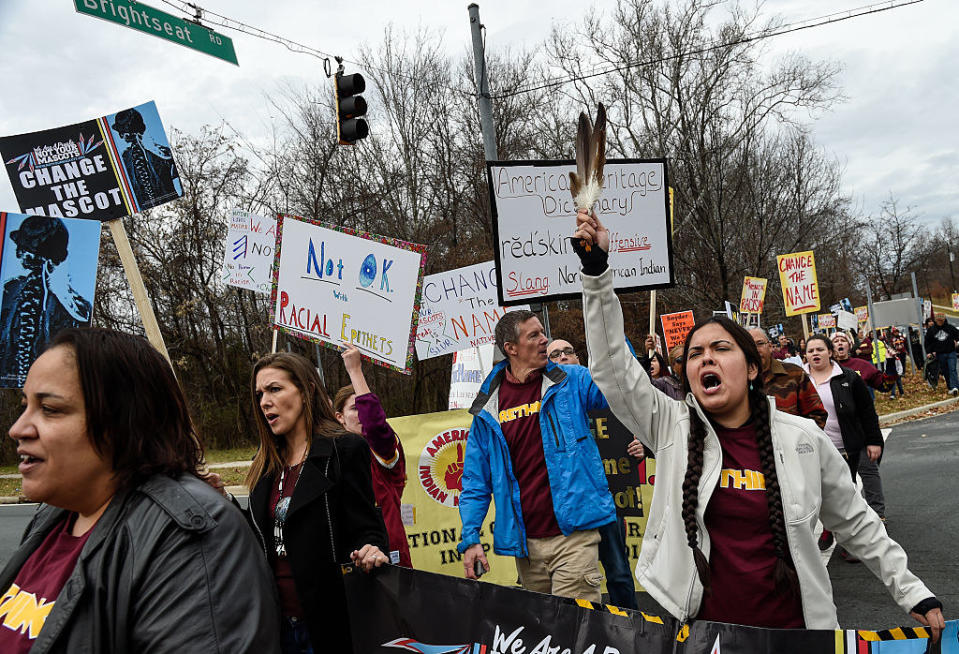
[{"x": 885, "y": 420}]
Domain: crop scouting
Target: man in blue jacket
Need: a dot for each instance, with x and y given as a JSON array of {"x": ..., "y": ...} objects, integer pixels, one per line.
[{"x": 531, "y": 451}]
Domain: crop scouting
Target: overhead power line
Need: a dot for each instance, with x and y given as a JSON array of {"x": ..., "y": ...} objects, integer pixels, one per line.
[
  {"x": 200, "y": 14},
  {"x": 811, "y": 23}
]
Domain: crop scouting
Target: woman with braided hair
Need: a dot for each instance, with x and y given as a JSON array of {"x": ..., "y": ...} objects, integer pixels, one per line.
[{"x": 731, "y": 534}]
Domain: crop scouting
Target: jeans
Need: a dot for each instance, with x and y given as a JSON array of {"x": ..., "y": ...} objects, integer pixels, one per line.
[
  {"x": 947, "y": 364},
  {"x": 619, "y": 578},
  {"x": 872, "y": 485},
  {"x": 294, "y": 637},
  {"x": 898, "y": 385}
]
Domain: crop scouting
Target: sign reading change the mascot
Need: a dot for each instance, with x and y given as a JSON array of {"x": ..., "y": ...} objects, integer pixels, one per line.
[
  {"x": 338, "y": 287},
  {"x": 534, "y": 216}
]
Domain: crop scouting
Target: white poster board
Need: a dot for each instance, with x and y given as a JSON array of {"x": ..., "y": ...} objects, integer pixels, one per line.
[
  {"x": 470, "y": 369},
  {"x": 847, "y": 320},
  {"x": 336, "y": 288},
  {"x": 459, "y": 310},
  {"x": 534, "y": 216},
  {"x": 248, "y": 251}
]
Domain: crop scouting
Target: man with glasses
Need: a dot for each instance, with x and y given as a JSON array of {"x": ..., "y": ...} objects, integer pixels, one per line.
[
  {"x": 612, "y": 543},
  {"x": 787, "y": 383}
]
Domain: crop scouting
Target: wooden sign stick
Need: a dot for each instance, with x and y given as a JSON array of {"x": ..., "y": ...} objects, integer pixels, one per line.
[
  {"x": 140, "y": 296},
  {"x": 652, "y": 318}
]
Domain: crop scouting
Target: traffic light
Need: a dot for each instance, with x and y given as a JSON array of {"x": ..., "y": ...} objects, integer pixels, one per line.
[{"x": 350, "y": 105}]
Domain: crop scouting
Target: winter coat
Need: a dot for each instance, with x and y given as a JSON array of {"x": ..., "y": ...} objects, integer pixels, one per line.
[
  {"x": 577, "y": 480},
  {"x": 813, "y": 478}
]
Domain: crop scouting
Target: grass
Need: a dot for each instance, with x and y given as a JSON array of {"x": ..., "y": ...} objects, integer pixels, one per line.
[
  {"x": 232, "y": 454},
  {"x": 918, "y": 393}
]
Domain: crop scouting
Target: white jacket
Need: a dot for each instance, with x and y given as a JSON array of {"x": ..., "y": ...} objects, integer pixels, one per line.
[{"x": 814, "y": 483}]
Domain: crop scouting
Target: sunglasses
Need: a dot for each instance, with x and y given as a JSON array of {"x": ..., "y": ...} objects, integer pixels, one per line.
[{"x": 568, "y": 351}]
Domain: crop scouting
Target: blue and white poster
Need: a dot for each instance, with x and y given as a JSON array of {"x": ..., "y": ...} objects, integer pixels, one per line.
[
  {"x": 103, "y": 168},
  {"x": 48, "y": 268}
]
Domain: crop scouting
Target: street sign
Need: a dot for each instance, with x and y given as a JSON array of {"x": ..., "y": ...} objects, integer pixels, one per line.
[{"x": 139, "y": 16}]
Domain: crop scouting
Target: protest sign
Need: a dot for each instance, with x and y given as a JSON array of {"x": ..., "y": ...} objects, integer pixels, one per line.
[
  {"x": 408, "y": 610},
  {"x": 459, "y": 310},
  {"x": 248, "y": 251},
  {"x": 104, "y": 168},
  {"x": 534, "y": 216},
  {"x": 846, "y": 320},
  {"x": 48, "y": 267},
  {"x": 927, "y": 308},
  {"x": 754, "y": 295},
  {"x": 814, "y": 322},
  {"x": 676, "y": 326},
  {"x": 955, "y": 301},
  {"x": 862, "y": 315},
  {"x": 470, "y": 368},
  {"x": 797, "y": 274},
  {"x": 827, "y": 321},
  {"x": 338, "y": 287}
]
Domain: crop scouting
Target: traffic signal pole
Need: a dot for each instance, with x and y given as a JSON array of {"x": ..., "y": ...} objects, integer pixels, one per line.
[{"x": 485, "y": 105}]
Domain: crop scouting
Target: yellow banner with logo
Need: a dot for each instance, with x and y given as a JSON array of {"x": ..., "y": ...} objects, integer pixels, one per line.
[{"x": 435, "y": 443}]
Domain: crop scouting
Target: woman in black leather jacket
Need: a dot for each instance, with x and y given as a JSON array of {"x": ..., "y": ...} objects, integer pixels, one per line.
[
  {"x": 311, "y": 503},
  {"x": 130, "y": 551}
]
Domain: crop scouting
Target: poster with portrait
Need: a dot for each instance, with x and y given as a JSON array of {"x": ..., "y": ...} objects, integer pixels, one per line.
[
  {"x": 48, "y": 268},
  {"x": 534, "y": 217},
  {"x": 336, "y": 286},
  {"x": 104, "y": 168}
]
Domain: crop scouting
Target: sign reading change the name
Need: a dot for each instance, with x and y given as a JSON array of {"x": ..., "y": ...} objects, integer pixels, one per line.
[
  {"x": 459, "y": 310},
  {"x": 534, "y": 216},
  {"x": 339, "y": 287}
]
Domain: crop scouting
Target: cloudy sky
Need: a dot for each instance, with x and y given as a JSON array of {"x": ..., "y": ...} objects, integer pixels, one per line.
[{"x": 895, "y": 133}]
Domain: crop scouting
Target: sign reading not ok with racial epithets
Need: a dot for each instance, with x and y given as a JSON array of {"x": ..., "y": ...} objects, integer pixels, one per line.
[
  {"x": 104, "y": 168},
  {"x": 339, "y": 287}
]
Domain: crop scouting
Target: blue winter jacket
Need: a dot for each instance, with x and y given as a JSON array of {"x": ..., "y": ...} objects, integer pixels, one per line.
[{"x": 581, "y": 498}]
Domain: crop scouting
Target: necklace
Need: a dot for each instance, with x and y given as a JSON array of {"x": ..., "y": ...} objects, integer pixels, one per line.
[{"x": 283, "y": 505}]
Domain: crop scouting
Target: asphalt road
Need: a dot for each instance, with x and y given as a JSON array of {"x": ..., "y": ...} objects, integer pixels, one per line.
[{"x": 919, "y": 473}]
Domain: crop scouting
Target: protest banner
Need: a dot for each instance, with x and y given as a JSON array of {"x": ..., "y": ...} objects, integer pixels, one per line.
[
  {"x": 336, "y": 286},
  {"x": 104, "y": 168},
  {"x": 248, "y": 251},
  {"x": 415, "y": 611},
  {"x": 470, "y": 368},
  {"x": 797, "y": 274},
  {"x": 862, "y": 315},
  {"x": 435, "y": 445},
  {"x": 534, "y": 216},
  {"x": 754, "y": 295},
  {"x": 827, "y": 321},
  {"x": 459, "y": 310},
  {"x": 48, "y": 267},
  {"x": 676, "y": 326}
]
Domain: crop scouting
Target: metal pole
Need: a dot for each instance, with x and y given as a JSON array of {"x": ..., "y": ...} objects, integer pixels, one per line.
[
  {"x": 952, "y": 273},
  {"x": 922, "y": 331},
  {"x": 485, "y": 104},
  {"x": 482, "y": 84},
  {"x": 870, "y": 324}
]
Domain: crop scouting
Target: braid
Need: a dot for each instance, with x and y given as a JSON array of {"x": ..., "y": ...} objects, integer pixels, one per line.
[
  {"x": 785, "y": 574},
  {"x": 694, "y": 470}
]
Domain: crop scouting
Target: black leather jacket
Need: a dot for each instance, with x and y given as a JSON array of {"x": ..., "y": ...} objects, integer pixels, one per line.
[
  {"x": 170, "y": 567},
  {"x": 332, "y": 513}
]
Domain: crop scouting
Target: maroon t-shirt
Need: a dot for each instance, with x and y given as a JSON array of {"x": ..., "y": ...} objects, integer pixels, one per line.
[
  {"x": 519, "y": 406},
  {"x": 282, "y": 572},
  {"x": 25, "y": 606},
  {"x": 742, "y": 559}
]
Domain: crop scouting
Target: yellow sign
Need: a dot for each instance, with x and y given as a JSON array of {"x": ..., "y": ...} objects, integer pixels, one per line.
[
  {"x": 434, "y": 444},
  {"x": 797, "y": 274},
  {"x": 754, "y": 294}
]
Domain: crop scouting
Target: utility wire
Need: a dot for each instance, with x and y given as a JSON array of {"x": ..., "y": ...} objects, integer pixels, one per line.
[
  {"x": 828, "y": 19},
  {"x": 220, "y": 20}
]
